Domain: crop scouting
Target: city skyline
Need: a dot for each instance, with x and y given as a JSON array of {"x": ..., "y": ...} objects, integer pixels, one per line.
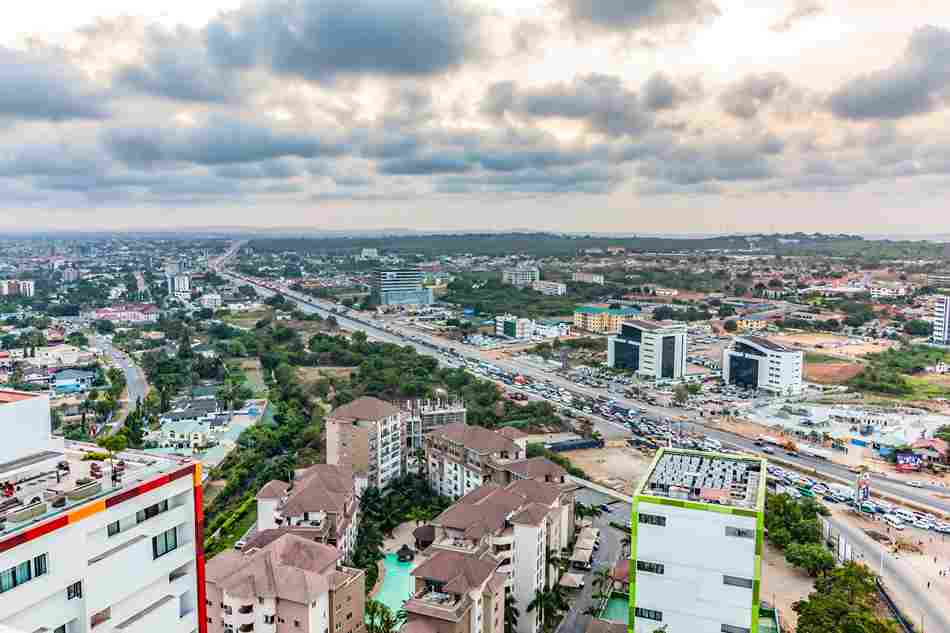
[{"x": 659, "y": 116}]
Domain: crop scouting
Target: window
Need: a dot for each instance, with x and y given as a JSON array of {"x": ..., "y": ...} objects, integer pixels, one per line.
[
  {"x": 653, "y": 568},
  {"x": 734, "y": 581},
  {"x": 151, "y": 511},
  {"x": 113, "y": 528},
  {"x": 164, "y": 542},
  {"x": 268, "y": 619},
  {"x": 740, "y": 532},
  {"x": 297, "y": 623},
  {"x": 649, "y": 614},
  {"x": 24, "y": 572},
  {"x": 653, "y": 519},
  {"x": 74, "y": 590},
  {"x": 728, "y": 628}
]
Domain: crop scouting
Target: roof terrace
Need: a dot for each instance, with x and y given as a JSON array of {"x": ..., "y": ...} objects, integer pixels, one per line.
[{"x": 710, "y": 478}]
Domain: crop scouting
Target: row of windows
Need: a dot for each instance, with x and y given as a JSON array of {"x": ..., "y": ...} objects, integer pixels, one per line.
[
  {"x": 165, "y": 542},
  {"x": 142, "y": 515},
  {"x": 735, "y": 581},
  {"x": 657, "y": 616},
  {"x": 656, "y": 519},
  {"x": 653, "y": 568},
  {"x": 652, "y": 519},
  {"x": 740, "y": 532},
  {"x": 24, "y": 572}
]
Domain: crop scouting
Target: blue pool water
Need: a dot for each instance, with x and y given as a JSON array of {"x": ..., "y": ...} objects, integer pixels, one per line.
[
  {"x": 617, "y": 609},
  {"x": 397, "y": 583}
]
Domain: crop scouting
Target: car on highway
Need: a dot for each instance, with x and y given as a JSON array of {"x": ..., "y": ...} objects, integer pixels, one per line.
[
  {"x": 894, "y": 521},
  {"x": 915, "y": 484}
]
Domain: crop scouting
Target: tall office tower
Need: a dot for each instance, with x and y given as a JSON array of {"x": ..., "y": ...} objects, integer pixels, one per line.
[
  {"x": 653, "y": 349},
  {"x": 697, "y": 531},
  {"x": 941, "y": 321},
  {"x": 88, "y": 546},
  {"x": 400, "y": 286},
  {"x": 754, "y": 362}
]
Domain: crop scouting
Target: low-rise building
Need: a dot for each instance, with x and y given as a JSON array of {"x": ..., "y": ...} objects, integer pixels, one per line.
[
  {"x": 754, "y": 362},
  {"x": 126, "y": 313},
  {"x": 72, "y": 381},
  {"x": 552, "y": 288},
  {"x": 521, "y": 276},
  {"x": 211, "y": 300},
  {"x": 882, "y": 290},
  {"x": 283, "y": 582},
  {"x": 752, "y": 323},
  {"x": 321, "y": 504},
  {"x": 588, "y": 278},
  {"x": 602, "y": 319},
  {"x": 510, "y": 326}
]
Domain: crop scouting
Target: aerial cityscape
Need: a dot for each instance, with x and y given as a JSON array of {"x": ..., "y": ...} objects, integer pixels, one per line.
[{"x": 460, "y": 316}]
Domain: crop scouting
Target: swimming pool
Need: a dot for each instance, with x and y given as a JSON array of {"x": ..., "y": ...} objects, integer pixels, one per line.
[
  {"x": 397, "y": 583},
  {"x": 617, "y": 609}
]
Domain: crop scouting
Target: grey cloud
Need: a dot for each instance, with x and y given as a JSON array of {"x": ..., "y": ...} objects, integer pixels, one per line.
[
  {"x": 744, "y": 99},
  {"x": 802, "y": 11},
  {"x": 279, "y": 168},
  {"x": 44, "y": 87},
  {"x": 917, "y": 83},
  {"x": 176, "y": 66},
  {"x": 582, "y": 179},
  {"x": 602, "y": 101},
  {"x": 662, "y": 93},
  {"x": 633, "y": 15},
  {"x": 700, "y": 163},
  {"x": 219, "y": 140},
  {"x": 436, "y": 163},
  {"x": 320, "y": 40}
]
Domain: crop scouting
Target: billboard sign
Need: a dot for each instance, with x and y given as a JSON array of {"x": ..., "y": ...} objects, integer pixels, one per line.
[{"x": 908, "y": 462}]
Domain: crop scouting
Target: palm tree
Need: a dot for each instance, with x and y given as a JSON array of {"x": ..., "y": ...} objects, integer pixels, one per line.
[
  {"x": 511, "y": 613},
  {"x": 542, "y": 603},
  {"x": 603, "y": 579}
]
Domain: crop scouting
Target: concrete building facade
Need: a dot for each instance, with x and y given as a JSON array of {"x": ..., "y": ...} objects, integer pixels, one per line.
[
  {"x": 366, "y": 436},
  {"x": 602, "y": 319},
  {"x": 941, "y": 320},
  {"x": 653, "y": 349},
  {"x": 400, "y": 286},
  {"x": 697, "y": 530},
  {"x": 552, "y": 288},
  {"x": 521, "y": 276},
  {"x": 754, "y": 362}
]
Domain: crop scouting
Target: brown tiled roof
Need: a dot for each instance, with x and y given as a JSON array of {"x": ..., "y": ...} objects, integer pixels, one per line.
[
  {"x": 478, "y": 515},
  {"x": 475, "y": 438},
  {"x": 320, "y": 488},
  {"x": 512, "y": 433},
  {"x": 459, "y": 572},
  {"x": 365, "y": 408},
  {"x": 536, "y": 468},
  {"x": 262, "y": 539},
  {"x": 596, "y": 625},
  {"x": 539, "y": 491},
  {"x": 272, "y": 490},
  {"x": 289, "y": 568},
  {"x": 531, "y": 514}
]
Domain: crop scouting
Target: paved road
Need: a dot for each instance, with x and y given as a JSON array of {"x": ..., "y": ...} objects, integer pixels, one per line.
[
  {"x": 904, "y": 585},
  {"x": 609, "y": 428},
  {"x": 135, "y": 381}
]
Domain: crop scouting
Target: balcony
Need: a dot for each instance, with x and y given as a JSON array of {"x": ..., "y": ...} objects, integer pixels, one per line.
[
  {"x": 246, "y": 608},
  {"x": 435, "y": 604},
  {"x": 456, "y": 544}
]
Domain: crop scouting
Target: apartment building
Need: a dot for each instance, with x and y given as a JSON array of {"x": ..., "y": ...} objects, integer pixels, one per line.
[
  {"x": 366, "y": 436},
  {"x": 510, "y": 326},
  {"x": 211, "y": 300},
  {"x": 941, "y": 320},
  {"x": 516, "y": 525},
  {"x": 883, "y": 290},
  {"x": 939, "y": 280},
  {"x": 89, "y": 546},
  {"x": 752, "y": 323},
  {"x": 602, "y": 319},
  {"x": 126, "y": 313},
  {"x": 421, "y": 418},
  {"x": 753, "y": 362},
  {"x": 653, "y": 349},
  {"x": 697, "y": 531},
  {"x": 21, "y": 287},
  {"x": 283, "y": 582},
  {"x": 400, "y": 286},
  {"x": 588, "y": 278},
  {"x": 551, "y": 288},
  {"x": 456, "y": 592},
  {"x": 521, "y": 276},
  {"x": 321, "y": 503}
]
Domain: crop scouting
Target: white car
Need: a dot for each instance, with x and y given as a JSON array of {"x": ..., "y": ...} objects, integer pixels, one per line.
[
  {"x": 894, "y": 521},
  {"x": 915, "y": 484}
]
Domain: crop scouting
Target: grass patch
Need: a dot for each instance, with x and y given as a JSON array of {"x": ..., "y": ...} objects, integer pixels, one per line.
[
  {"x": 247, "y": 319},
  {"x": 232, "y": 528},
  {"x": 817, "y": 358}
]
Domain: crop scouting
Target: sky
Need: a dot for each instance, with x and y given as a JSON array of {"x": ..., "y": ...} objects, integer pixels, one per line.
[{"x": 651, "y": 116}]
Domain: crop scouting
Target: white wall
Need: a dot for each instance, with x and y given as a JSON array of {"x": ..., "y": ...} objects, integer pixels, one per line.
[
  {"x": 696, "y": 554},
  {"x": 26, "y": 427},
  {"x": 528, "y": 571}
]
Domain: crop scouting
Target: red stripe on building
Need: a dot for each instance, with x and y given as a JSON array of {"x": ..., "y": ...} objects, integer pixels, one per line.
[
  {"x": 34, "y": 532},
  {"x": 200, "y": 559}
]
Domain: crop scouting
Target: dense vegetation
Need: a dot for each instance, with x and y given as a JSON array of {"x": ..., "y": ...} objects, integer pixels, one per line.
[
  {"x": 490, "y": 296},
  {"x": 887, "y": 371},
  {"x": 844, "y": 601},
  {"x": 793, "y": 527}
]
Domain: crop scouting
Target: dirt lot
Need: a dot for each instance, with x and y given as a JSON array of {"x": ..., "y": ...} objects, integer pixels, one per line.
[
  {"x": 316, "y": 373},
  {"x": 831, "y": 373},
  {"x": 255, "y": 376},
  {"x": 617, "y": 468},
  {"x": 783, "y": 585},
  {"x": 831, "y": 343},
  {"x": 248, "y": 319}
]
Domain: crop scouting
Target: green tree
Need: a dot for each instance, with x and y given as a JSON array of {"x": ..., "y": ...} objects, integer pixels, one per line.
[
  {"x": 731, "y": 325},
  {"x": 380, "y": 618},
  {"x": 918, "y": 327},
  {"x": 77, "y": 339},
  {"x": 113, "y": 444},
  {"x": 844, "y": 601},
  {"x": 814, "y": 558},
  {"x": 680, "y": 394},
  {"x": 511, "y": 612}
]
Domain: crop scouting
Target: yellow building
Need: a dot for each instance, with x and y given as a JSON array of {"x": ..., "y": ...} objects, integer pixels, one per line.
[{"x": 602, "y": 320}]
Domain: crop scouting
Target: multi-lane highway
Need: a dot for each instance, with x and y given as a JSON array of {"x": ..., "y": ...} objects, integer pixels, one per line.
[{"x": 926, "y": 496}]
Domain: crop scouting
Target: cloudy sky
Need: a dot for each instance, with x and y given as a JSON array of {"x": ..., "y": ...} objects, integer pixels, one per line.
[{"x": 600, "y": 115}]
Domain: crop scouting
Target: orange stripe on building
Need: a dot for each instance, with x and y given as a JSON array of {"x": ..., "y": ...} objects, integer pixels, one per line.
[{"x": 87, "y": 511}]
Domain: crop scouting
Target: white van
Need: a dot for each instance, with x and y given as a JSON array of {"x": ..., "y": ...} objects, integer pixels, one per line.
[
  {"x": 712, "y": 445},
  {"x": 905, "y": 515}
]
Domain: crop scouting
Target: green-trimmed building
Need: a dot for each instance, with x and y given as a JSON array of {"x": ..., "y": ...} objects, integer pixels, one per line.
[{"x": 696, "y": 543}]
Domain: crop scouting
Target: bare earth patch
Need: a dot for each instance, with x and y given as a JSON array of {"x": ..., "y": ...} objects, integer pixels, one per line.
[
  {"x": 831, "y": 373},
  {"x": 316, "y": 373},
  {"x": 783, "y": 585},
  {"x": 620, "y": 468}
]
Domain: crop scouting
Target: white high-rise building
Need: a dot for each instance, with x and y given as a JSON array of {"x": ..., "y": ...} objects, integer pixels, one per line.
[
  {"x": 366, "y": 436},
  {"x": 521, "y": 275},
  {"x": 754, "y": 362},
  {"x": 85, "y": 546},
  {"x": 697, "y": 531},
  {"x": 182, "y": 286},
  {"x": 653, "y": 349},
  {"x": 510, "y": 326},
  {"x": 941, "y": 320}
]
